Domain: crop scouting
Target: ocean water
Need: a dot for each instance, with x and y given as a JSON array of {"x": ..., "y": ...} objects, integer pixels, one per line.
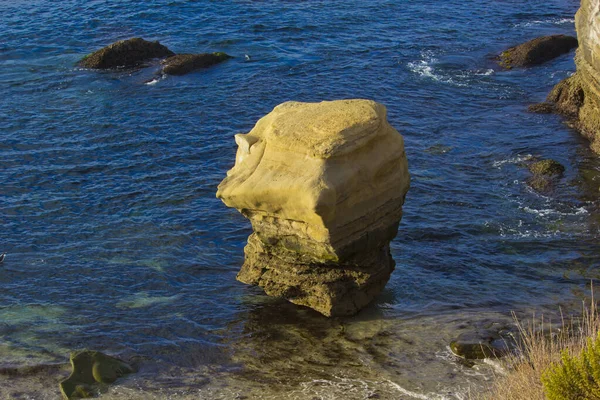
[{"x": 115, "y": 240}]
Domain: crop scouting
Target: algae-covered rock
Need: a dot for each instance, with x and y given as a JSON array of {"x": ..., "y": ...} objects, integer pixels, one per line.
[
  {"x": 546, "y": 167},
  {"x": 545, "y": 174},
  {"x": 92, "y": 370},
  {"x": 181, "y": 64},
  {"x": 536, "y": 51},
  {"x": 577, "y": 98},
  {"x": 568, "y": 96},
  {"x": 323, "y": 185},
  {"x": 540, "y": 183},
  {"x": 125, "y": 53}
]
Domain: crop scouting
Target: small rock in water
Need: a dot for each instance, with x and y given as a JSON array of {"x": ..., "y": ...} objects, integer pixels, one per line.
[
  {"x": 544, "y": 173},
  {"x": 2, "y": 257},
  {"x": 536, "y": 51},
  {"x": 92, "y": 370},
  {"x": 182, "y": 64},
  {"x": 125, "y": 53}
]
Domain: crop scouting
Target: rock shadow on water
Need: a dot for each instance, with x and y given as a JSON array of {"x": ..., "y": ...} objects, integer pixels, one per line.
[
  {"x": 281, "y": 342},
  {"x": 291, "y": 349}
]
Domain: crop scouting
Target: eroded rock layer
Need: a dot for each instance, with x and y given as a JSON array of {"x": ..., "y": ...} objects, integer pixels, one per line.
[
  {"x": 578, "y": 97},
  {"x": 323, "y": 185}
]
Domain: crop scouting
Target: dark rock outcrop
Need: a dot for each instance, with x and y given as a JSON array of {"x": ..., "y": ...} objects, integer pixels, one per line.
[
  {"x": 125, "y": 53},
  {"x": 181, "y": 64},
  {"x": 536, "y": 51},
  {"x": 92, "y": 371}
]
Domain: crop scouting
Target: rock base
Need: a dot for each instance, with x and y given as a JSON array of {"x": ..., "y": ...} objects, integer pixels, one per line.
[
  {"x": 333, "y": 289},
  {"x": 577, "y": 99}
]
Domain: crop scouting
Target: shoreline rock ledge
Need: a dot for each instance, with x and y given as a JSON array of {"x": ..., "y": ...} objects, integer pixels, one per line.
[
  {"x": 578, "y": 97},
  {"x": 323, "y": 185}
]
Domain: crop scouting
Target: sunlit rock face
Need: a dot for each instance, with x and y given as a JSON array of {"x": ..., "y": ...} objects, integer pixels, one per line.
[
  {"x": 323, "y": 185},
  {"x": 578, "y": 97}
]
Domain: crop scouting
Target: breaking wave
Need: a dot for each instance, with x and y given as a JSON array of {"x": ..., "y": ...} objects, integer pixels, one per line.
[{"x": 453, "y": 73}]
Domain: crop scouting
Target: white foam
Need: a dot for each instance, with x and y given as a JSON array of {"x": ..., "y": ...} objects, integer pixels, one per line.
[
  {"x": 426, "y": 69},
  {"x": 551, "y": 211},
  {"x": 518, "y": 232},
  {"x": 155, "y": 80},
  {"x": 348, "y": 387},
  {"x": 485, "y": 72},
  {"x": 429, "y": 67},
  {"x": 415, "y": 395},
  {"x": 513, "y": 160},
  {"x": 551, "y": 21},
  {"x": 529, "y": 235},
  {"x": 498, "y": 367}
]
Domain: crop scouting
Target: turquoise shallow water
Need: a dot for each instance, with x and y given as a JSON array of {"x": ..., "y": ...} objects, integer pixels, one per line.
[{"x": 116, "y": 241}]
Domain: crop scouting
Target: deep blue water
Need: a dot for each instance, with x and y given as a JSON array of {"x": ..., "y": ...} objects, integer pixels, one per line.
[{"x": 116, "y": 241}]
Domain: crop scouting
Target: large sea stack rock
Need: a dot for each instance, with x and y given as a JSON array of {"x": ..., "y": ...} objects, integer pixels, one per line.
[
  {"x": 537, "y": 51},
  {"x": 578, "y": 97},
  {"x": 125, "y": 53},
  {"x": 323, "y": 185}
]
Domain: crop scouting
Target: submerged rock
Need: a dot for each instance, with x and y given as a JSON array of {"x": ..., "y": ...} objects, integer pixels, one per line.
[
  {"x": 479, "y": 345},
  {"x": 323, "y": 185},
  {"x": 125, "y": 53},
  {"x": 181, "y": 64},
  {"x": 537, "y": 51},
  {"x": 92, "y": 370}
]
